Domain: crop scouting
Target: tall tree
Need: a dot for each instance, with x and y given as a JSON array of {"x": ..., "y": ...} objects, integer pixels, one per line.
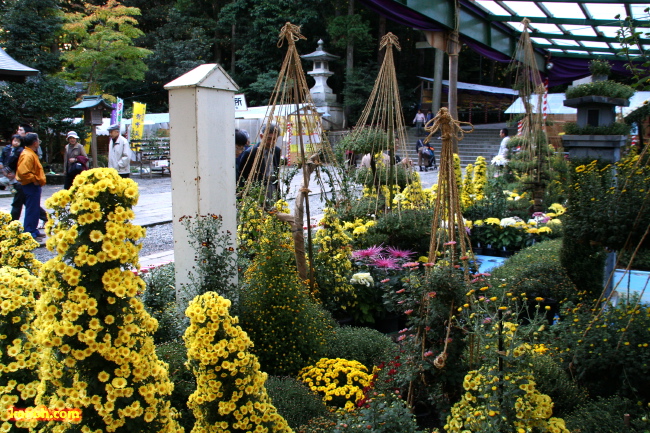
[
  {"x": 29, "y": 33},
  {"x": 258, "y": 26},
  {"x": 102, "y": 51}
]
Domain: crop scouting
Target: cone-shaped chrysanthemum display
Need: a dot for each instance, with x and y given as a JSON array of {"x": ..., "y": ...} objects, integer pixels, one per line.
[
  {"x": 230, "y": 394},
  {"x": 99, "y": 353},
  {"x": 16, "y": 246},
  {"x": 18, "y": 356}
]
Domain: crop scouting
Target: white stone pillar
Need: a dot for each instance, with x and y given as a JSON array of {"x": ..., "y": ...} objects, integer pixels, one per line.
[{"x": 202, "y": 148}]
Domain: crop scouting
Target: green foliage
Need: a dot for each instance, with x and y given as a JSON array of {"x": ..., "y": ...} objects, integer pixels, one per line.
[
  {"x": 368, "y": 346},
  {"x": 29, "y": 32},
  {"x": 159, "y": 300},
  {"x": 215, "y": 262},
  {"x": 294, "y": 401},
  {"x": 381, "y": 413},
  {"x": 382, "y": 176},
  {"x": 605, "y": 353},
  {"x": 641, "y": 260},
  {"x": 616, "y": 128},
  {"x": 608, "y": 88},
  {"x": 358, "y": 89},
  {"x": 583, "y": 262},
  {"x": 555, "y": 382},
  {"x": 604, "y": 210},
  {"x": 493, "y": 205},
  {"x": 174, "y": 354},
  {"x": 600, "y": 67},
  {"x": 103, "y": 51},
  {"x": 629, "y": 35},
  {"x": 45, "y": 102},
  {"x": 538, "y": 272},
  {"x": 350, "y": 29},
  {"x": 317, "y": 425},
  {"x": 606, "y": 415},
  {"x": 408, "y": 230},
  {"x": 288, "y": 328},
  {"x": 366, "y": 140}
]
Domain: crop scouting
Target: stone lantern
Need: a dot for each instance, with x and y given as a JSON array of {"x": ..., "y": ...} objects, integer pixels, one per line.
[
  {"x": 94, "y": 107},
  {"x": 595, "y": 111},
  {"x": 322, "y": 95}
]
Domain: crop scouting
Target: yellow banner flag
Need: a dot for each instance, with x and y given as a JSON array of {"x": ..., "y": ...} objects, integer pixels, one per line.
[{"x": 137, "y": 123}]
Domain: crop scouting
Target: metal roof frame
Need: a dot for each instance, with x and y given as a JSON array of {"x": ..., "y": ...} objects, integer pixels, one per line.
[{"x": 500, "y": 32}]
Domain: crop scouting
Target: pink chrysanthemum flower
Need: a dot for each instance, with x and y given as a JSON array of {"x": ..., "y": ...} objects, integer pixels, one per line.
[
  {"x": 385, "y": 263},
  {"x": 399, "y": 254},
  {"x": 368, "y": 253}
]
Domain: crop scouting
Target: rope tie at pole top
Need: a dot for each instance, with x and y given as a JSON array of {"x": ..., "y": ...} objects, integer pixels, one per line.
[
  {"x": 291, "y": 33},
  {"x": 389, "y": 39}
]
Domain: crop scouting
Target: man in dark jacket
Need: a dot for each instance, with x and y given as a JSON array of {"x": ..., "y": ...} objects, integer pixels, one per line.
[{"x": 260, "y": 163}]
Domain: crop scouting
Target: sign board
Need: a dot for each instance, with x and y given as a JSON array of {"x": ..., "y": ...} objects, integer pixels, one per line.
[{"x": 240, "y": 102}]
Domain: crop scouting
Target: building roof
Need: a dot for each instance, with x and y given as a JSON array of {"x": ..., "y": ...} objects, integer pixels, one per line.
[
  {"x": 91, "y": 101},
  {"x": 12, "y": 70}
]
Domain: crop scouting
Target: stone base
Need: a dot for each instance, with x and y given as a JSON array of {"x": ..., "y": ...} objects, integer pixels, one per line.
[{"x": 603, "y": 147}]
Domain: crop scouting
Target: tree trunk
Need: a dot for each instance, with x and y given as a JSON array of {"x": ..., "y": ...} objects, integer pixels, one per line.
[{"x": 232, "y": 51}]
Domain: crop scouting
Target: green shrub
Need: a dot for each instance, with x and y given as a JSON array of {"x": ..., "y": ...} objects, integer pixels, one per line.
[
  {"x": 383, "y": 413},
  {"x": 605, "y": 415},
  {"x": 215, "y": 262},
  {"x": 616, "y": 128},
  {"x": 365, "y": 140},
  {"x": 159, "y": 300},
  {"x": 174, "y": 354},
  {"x": 288, "y": 328},
  {"x": 406, "y": 230},
  {"x": 607, "y": 355},
  {"x": 294, "y": 401},
  {"x": 611, "y": 89},
  {"x": 382, "y": 176},
  {"x": 368, "y": 346},
  {"x": 553, "y": 381},
  {"x": 317, "y": 425},
  {"x": 537, "y": 271}
]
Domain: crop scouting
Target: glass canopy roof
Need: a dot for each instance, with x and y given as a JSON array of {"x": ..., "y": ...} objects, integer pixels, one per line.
[{"x": 570, "y": 28}]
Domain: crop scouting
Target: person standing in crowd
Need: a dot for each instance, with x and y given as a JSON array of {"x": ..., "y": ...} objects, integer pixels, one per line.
[
  {"x": 503, "y": 148},
  {"x": 429, "y": 116},
  {"x": 9, "y": 161},
  {"x": 32, "y": 178},
  {"x": 25, "y": 128},
  {"x": 241, "y": 145},
  {"x": 75, "y": 160},
  {"x": 119, "y": 155},
  {"x": 265, "y": 170},
  {"x": 10, "y": 166},
  {"x": 419, "y": 122}
]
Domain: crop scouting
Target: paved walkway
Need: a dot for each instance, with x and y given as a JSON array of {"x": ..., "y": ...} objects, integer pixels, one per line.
[{"x": 155, "y": 206}]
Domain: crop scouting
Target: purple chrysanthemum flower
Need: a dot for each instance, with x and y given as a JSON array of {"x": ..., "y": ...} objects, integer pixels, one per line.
[
  {"x": 369, "y": 253},
  {"x": 399, "y": 254},
  {"x": 385, "y": 263}
]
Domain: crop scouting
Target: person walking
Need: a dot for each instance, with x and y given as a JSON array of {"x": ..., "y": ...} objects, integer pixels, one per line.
[
  {"x": 119, "y": 152},
  {"x": 32, "y": 178},
  {"x": 419, "y": 122},
  {"x": 75, "y": 160}
]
